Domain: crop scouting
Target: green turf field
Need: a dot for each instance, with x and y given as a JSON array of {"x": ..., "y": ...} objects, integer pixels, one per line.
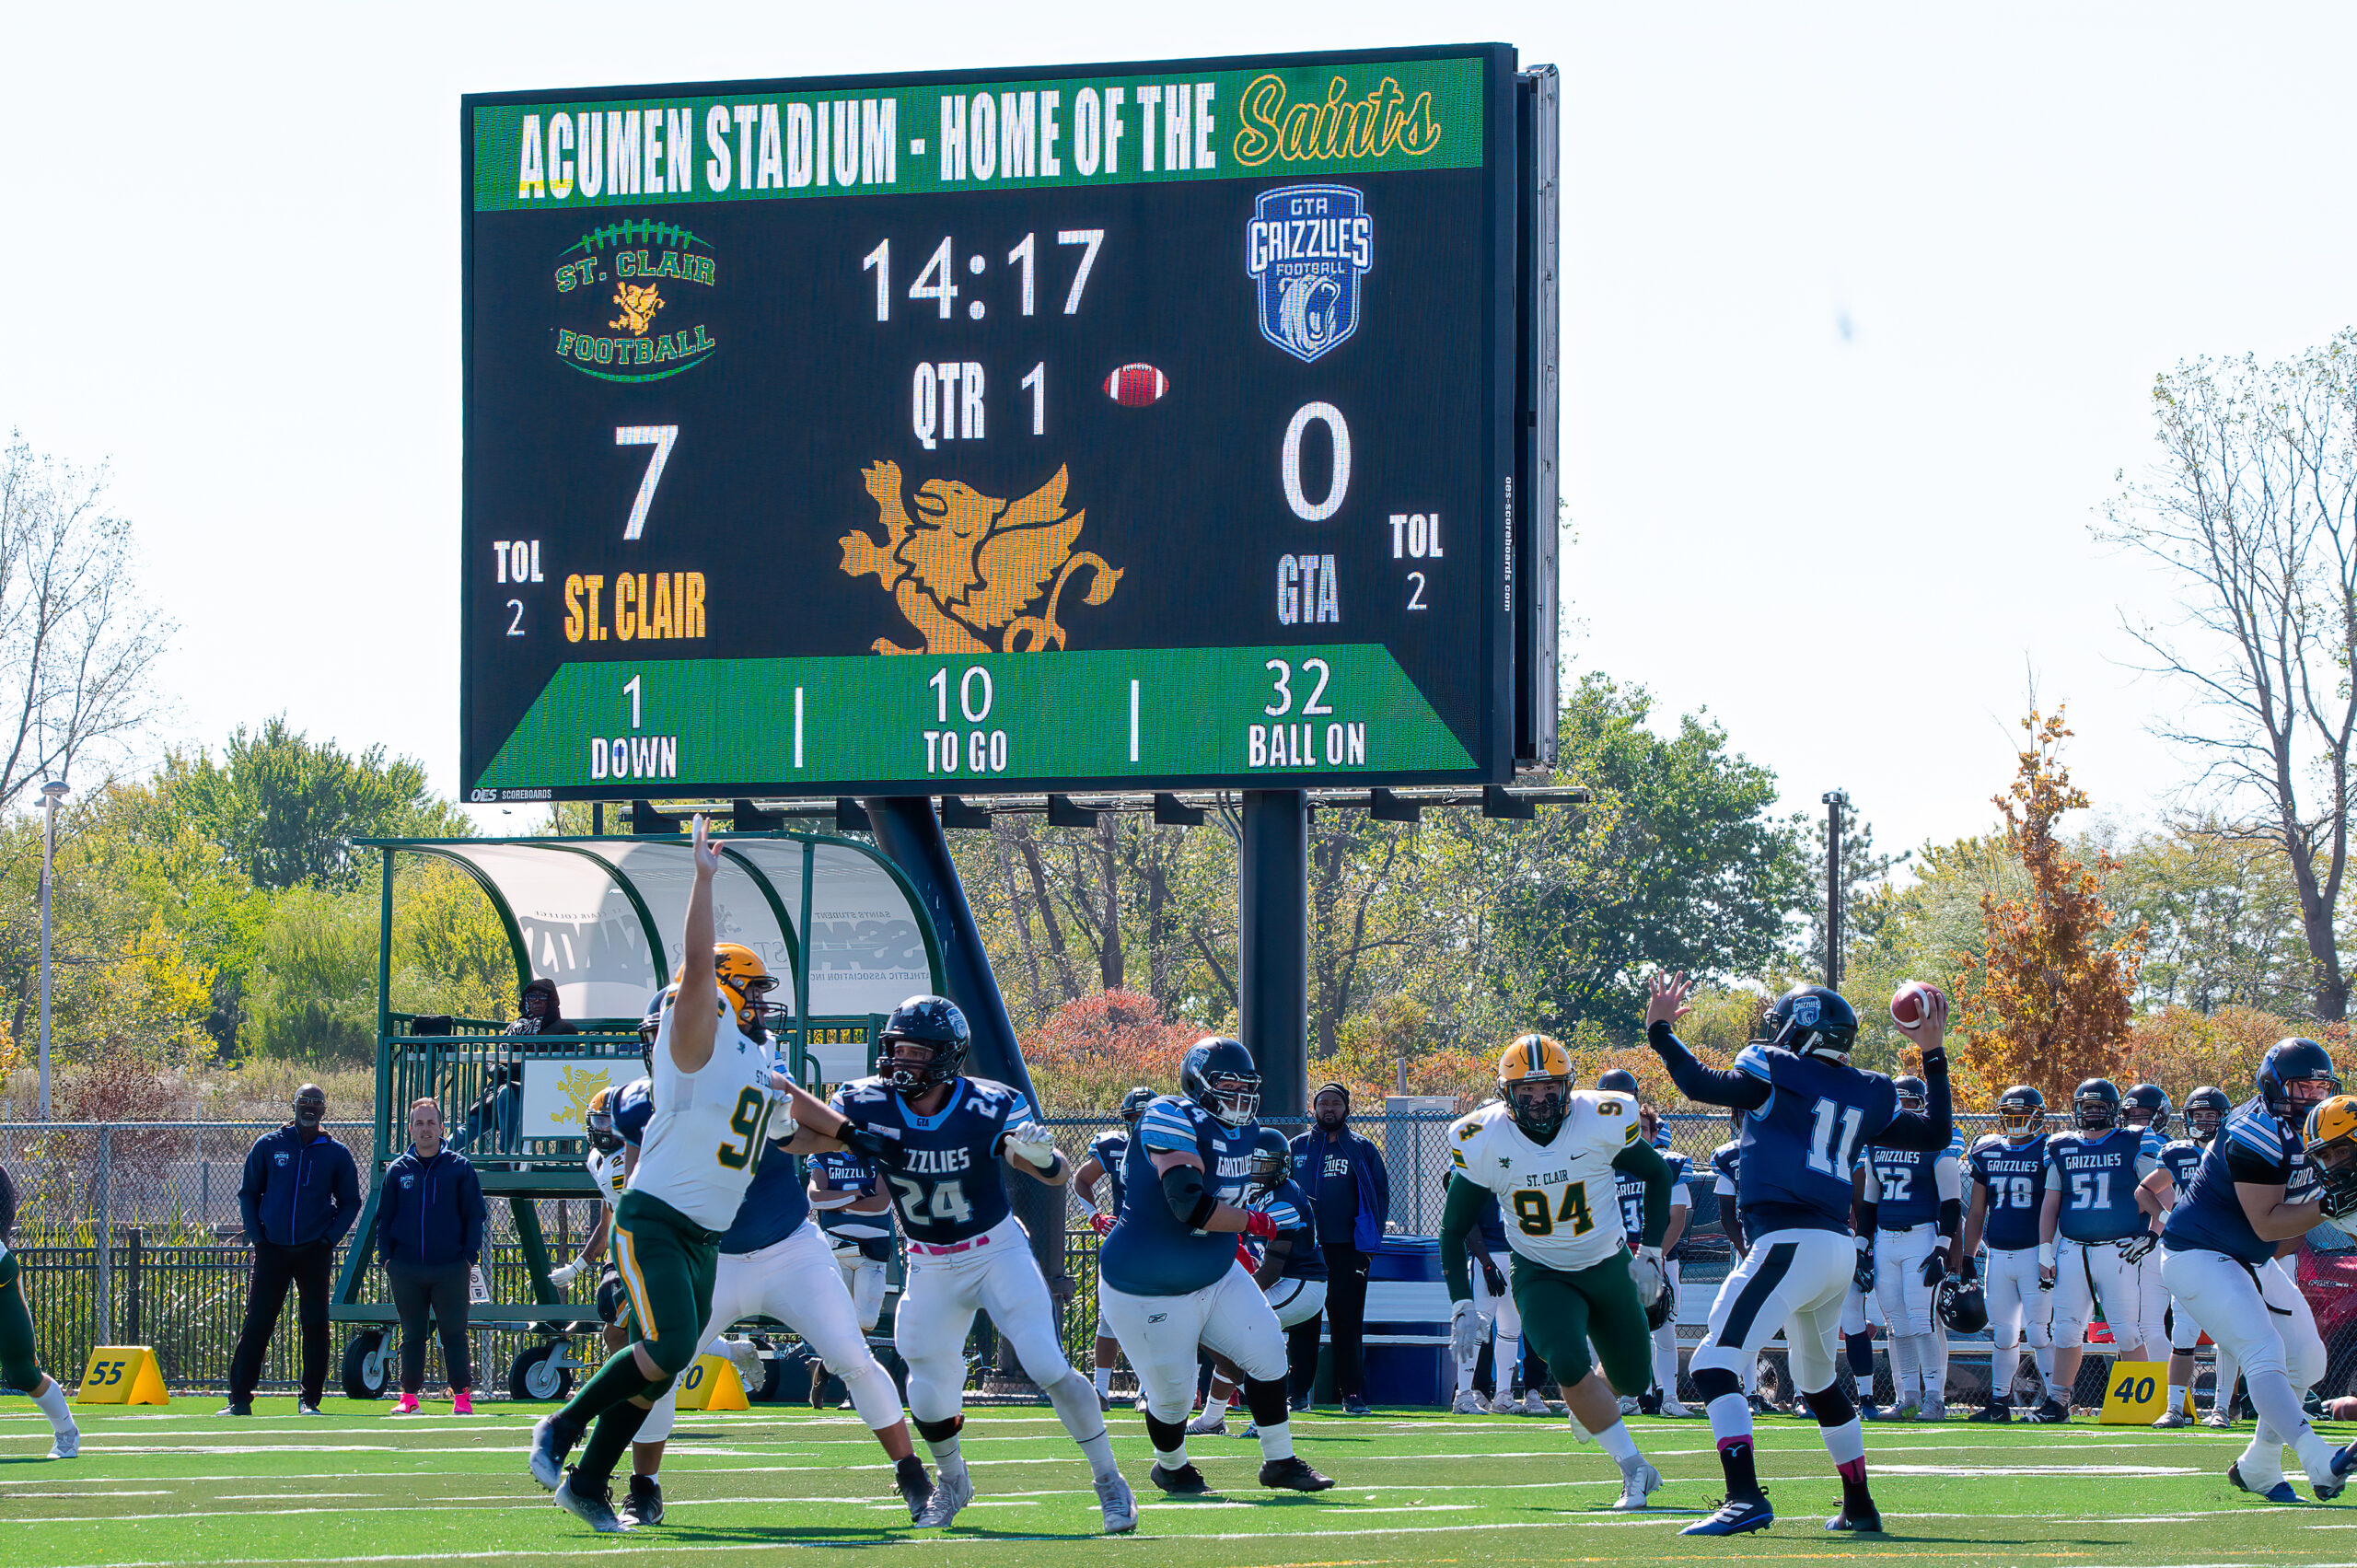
[{"x": 357, "y": 1486}]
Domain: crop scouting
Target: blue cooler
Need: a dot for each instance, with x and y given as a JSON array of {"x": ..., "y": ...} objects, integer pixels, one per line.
[{"x": 1406, "y": 1325}]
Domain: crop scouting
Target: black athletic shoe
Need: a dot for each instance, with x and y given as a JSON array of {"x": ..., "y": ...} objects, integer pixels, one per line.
[
  {"x": 1864, "y": 1519},
  {"x": 1649, "y": 1402},
  {"x": 1292, "y": 1473},
  {"x": 1355, "y": 1405},
  {"x": 1997, "y": 1409},
  {"x": 1184, "y": 1481},
  {"x": 2052, "y": 1413},
  {"x": 645, "y": 1504},
  {"x": 1870, "y": 1411},
  {"x": 237, "y": 1407},
  {"x": 916, "y": 1487}
]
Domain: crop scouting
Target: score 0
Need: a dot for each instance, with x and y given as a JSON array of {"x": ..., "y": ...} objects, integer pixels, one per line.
[{"x": 974, "y": 750}]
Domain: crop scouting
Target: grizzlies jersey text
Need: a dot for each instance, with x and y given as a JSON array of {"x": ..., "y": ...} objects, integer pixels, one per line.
[
  {"x": 1111, "y": 1149},
  {"x": 1907, "y": 1184},
  {"x": 1799, "y": 1148},
  {"x": 947, "y": 1182},
  {"x": 2014, "y": 1175},
  {"x": 2181, "y": 1159},
  {"x": 2253, "y": 1147},
  {"x": 1152, "y": 1251},
  {"x": 2097, "y": 1178}
]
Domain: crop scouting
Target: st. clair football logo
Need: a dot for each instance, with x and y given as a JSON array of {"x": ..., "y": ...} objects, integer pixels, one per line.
[
  {"x": 1308, "y": 247},
  {"x": 631, "y": 297}
]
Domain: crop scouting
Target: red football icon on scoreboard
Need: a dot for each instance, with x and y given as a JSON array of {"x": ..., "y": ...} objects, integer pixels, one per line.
[{"x": 1135, "y": 386}]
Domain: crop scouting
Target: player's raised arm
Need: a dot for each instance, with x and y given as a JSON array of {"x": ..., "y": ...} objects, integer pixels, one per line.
[
  {"x": 1932, "y": 1129},
  {"x": 1666, "y": 1002},
  {"x": 695, "y": 1017}
]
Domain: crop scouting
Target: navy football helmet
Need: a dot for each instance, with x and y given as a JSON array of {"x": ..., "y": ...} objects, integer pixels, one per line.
[
  {"x": 2206, "y": 1109},
  {"x": 1962, "y": 1306},
  {"x": 1913, "y": 1093},
  {"x": 1218, "y": 1073},
  {"x": 1272, "y": 1162},
  {"x": 1133, "y": 1104},
  {"x": 1812, "y": 1020},
  {"x": 934, "y": 1023},
  {"x": 2152, "y": 1102},
  {"x": 2095, "y": 1105},
  {"x": 2294, "y": 1062},
  {"x": 1620, "y": 1081},
  {"x": 2021, "y": 1113}
]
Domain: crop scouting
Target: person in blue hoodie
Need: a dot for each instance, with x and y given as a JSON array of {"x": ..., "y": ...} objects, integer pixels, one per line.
[
  {"x": 1343, "y": 1176},
  {"x": 299, "y": 1196},
  {"x": 429, "y": 1233}
]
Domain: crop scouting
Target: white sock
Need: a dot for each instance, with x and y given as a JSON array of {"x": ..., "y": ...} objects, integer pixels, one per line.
[
  {"x": 1730, "y": 1417},
  {"x": 1104, "y": 1380},
  {"x": 1276, "y": 1441},
  {"x": 2004, "y": 1365},
  {"x": 2178, "y": 1393},
  {"x": 945, "y": 1457},
  {"x": 2230, "y": 1372},
  {"x": 1507, "y": 1363},
  {"x": 53, "y": 1405},
  {"x": 1176, "y": 1459},
  {"x": 1465, "y": 1374},
  {"x": 1615, "y": 1440},
  {"x": 1906, "y": 1372},
  {"x": 1215, "y": 1408},
  {"x": 2043, "y": 1357}
]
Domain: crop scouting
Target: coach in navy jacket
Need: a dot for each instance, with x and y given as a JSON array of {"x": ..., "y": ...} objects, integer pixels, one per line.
[
  {"x": 1343, "y": 1176},
  {"x": 299, "y": 1196},
  {"x": 429, "y": 1232}
]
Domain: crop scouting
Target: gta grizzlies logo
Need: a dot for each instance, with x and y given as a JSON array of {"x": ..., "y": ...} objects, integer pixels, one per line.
[{"x": 1307, "y": 247}]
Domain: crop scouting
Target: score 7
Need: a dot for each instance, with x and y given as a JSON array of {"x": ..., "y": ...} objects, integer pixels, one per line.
[{"x": 660, "y": 437}]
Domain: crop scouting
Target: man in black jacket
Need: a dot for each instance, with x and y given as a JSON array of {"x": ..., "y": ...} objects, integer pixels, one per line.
[
  {"x": 429, "y": 1233},
  {"x": 299, "y": 1196}
]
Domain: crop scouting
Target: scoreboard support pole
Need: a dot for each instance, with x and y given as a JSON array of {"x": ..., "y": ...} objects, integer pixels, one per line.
[
  {"x": 1272, "y": 920},
  {"x": 910, "y": 834}
]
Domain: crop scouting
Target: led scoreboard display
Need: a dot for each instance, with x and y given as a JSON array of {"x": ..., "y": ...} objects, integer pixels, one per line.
[{"x": 1122, "y": 426}]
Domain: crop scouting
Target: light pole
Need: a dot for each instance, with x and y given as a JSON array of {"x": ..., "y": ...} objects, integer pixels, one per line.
[
  {"x": 1833, "y": 800},
  {"x": 51, "y": 795}
]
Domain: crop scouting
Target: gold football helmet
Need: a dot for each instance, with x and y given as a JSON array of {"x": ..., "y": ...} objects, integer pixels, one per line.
[
  {"x": 745, "y": 985},
  {"x": 2331, "y": 1137},
  {"x": 1535, "y": 1080}
]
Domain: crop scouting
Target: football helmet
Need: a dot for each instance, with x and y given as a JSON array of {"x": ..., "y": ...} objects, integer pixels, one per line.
[
  {"x": 651, "y": 1025},
  {"x": 1133, "y": 1104},
  {"x": 2021, "y": 1113},
  {"x": 1620, "y": 1081},
  {"x": 1217, "y": 1074},
  {"x": 1535, "y": 1080},
  {"x": 2331, "y": 1137},
  {"x": 2206, "y": 1109},
  {"x": 598, "y": 1123},
  {"x": 2295, "y": 1061},
  {"x": 746, "y": 983},
  {"x": 1913, "y": 1093},
  {"x": 1812, "y": 1020},
  {"x": 1272, "y": 1162},
  {"x": 1961, "y": 1306},
  {"x": 935, "y": 1025},
  {"x": 2151, "y": 1100},
  {"x": 2095, "y": 1105},
  {"x": 1664, "y": 1306}
]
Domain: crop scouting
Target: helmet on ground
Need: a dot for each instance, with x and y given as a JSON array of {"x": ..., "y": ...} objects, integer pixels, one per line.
[
  {"x": 1812, "y": 1020},
  {"x": 1535, "y": 1080},
  {"x": 2206, "y": 1109},
  {"x": 598, "y": 1123},
  {"x": 1620, "y": 1081},
  {"x": 934, "y": 1025},
  {"x": 1218, "y": 1073},
  {"x": 746, "y": 983},
  {"x": 2095, "y": 1105},
  {"x": 2021, "y": 1113},
  {"x": 1272, "y": 1161},
  {"x": 1961, "y": 1307},
  {"x": 2289, "y": 1067},
  {"x": 1664, "y": 1306},
  {"x": 2330, "y": 1134},
  {"x": 1133, "y": 1104},
  {"x": 1913, "y": 1093},
  {"x": 2146, "y": 1105}
]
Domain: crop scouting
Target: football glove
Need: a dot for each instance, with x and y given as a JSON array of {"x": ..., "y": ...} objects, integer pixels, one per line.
[
  {"x": 869, "y": 1145},
  {"x": 1492, "y": 1277},
  {"x": 1645, "y": 1272},
  {"x": 1469, "y": 1330},
  {"x": 1258, "y": 1224},
  {"x": 1971, "y": 1271},
  {"x": 1243, "y": 1256},
  {"x": 1935, "y": 1269},
  {"x": 563, "y": 1277},
  {"x": 2339, "y": 1204},
  {"x": 1864, "y": 1275},
  {"x": 783, "y": 1126},
  {"x": 1102, "y": 1222},
  {"x": 1032, "y": 1140},
  {"x": 2133, "y": 1248}
]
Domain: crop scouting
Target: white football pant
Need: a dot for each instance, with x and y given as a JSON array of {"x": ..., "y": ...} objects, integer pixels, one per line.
[
  {"x": 1160, "y": 1333},
  {"x": 2261, "y": 1315},
  {"x": 1295, "y": 1302},
  {"x": 1666, "y": 1339},
  {"x": 1505, "y": 1318},
  {"x": 2091, "y": 1276},
  {"x": 1791, "y": 1280},
  {"x": 938, "y": 1300},
  {"x": 864, "y": 1278}
]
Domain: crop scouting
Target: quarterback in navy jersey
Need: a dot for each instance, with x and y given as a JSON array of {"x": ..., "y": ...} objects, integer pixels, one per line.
[
  {"x": 1107, "y": 1152},
  {"x": 1168, "y": 1276},
  {"x": 2206, "y": 1109},
  {"x": 2007, "y": 1171},
  {"x": 2105, "y": 1195},
  {"x": 1913, "y": 1205},
  {"x": 2254, "y": 1195},
  {"x": 1810, "y": 1113},
  {"x": 948, "y": 1139}
]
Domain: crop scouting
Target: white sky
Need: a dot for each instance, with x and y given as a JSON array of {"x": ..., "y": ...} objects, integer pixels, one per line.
[{"x": 1861, "y": 308}]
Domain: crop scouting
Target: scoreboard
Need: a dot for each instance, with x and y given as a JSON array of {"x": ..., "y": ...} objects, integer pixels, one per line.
[{"x": 1125, "y": 426}]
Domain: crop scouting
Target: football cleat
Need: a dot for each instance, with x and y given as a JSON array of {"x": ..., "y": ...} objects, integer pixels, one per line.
[
  {"x": 951, "y": 1492},
  {"x": 1184, "y": 1481},
  {"x": 2336, "y": 1475},
  {"x": 593, "y": 1509},
  {"x": 66, "y": 1445},
  {"x": 550, "y": 1446},
  {"x": 1117, "y": 1503},
  {"x": 2281, "y": 1491},
  {"x": 1673, "y": 1411},
  {"x": 1909, "y": 1409},
  {"x": 1635, "y": 1487},
  {"x": 1532, "y": 1404},
  {"x": 1995, "y": 1410},
  {"x": 1736, "y": 1516},
  {"x": 2169, "y": 1421},
  {"x": 2052, "y": 1413},
  {"x": 1869, "y": 1411},
  {"x": 1864, "y": 1519},
  {"x": 1356, "y": 1405},
  {"x": 915, "y": 1486},
  {"x": 1208, "y": 1426},
  {"x": 644, "y": 1505},
  {"x": 1470, "y": 1403},
  {"x": 1933, "y": 1409},
  {"x": 462, "y": 1402},
  {"x": 305, "y": 1407},
  {"x": 2217, "y": 1418},
  {"x": 1628, "y": 1404},
  {"x": 1291, "y": 1473}
]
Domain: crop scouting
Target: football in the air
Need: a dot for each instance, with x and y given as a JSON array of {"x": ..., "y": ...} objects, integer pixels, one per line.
[
  {"x": 1136, "y": 385},
  {"x": 1911, "y": 1003}
]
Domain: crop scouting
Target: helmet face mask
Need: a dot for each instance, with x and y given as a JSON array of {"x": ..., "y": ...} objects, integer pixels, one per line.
[
  {"x": 746, "y": 983},
  {"x": 1535, "y": 1081},
  {"x": 2095, "y": 1105},
  {"x": 923, "y": 1045},
  {"x": 2294, "y": 1076},
  {"x": 1813, "y": 1020},
  {"x": 1217, "y": 1074},
  {"x": 2021, "y": 1113},
  {"x": 1272, "y": 1162},
  {"x": 1913, "y": 1093}
]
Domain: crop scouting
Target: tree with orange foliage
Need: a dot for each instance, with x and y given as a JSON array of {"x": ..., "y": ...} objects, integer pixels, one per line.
[
  {"x": 1091, "y": 1051},
  {"x": 2047, "y": 1002}
]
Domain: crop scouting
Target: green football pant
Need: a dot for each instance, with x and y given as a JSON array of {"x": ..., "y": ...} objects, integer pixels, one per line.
[
  {"x": 666, "y": 1262},
  {"x": 1563, "y": 1310},
  {"x": 20, "y": 1365}
]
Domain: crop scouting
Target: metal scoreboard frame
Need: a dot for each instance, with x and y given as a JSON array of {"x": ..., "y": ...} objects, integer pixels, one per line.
[{"x": 1177, "y": 423}]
